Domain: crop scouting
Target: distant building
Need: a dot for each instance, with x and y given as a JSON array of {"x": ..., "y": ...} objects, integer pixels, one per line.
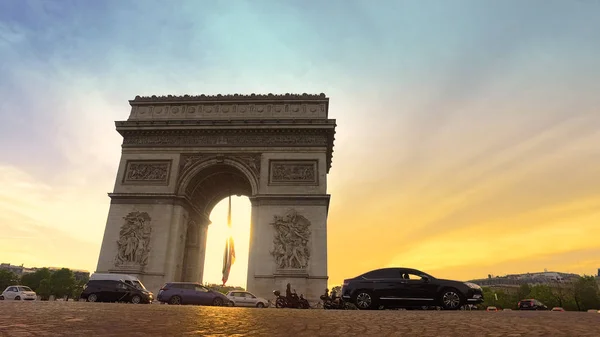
[
  {"x": 544, "y": 277},
  {"x": 21, "y": 270}
]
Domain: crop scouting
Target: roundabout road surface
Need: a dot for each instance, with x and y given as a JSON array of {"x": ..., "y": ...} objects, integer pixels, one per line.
[{"x": 114, "y": 319}]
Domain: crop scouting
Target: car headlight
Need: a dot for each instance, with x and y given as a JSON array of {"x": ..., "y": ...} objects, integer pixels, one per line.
[{"x": 472, "y": 285}]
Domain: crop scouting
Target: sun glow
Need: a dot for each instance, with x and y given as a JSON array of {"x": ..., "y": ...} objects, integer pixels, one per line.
[{"x": 218, "y": 233}]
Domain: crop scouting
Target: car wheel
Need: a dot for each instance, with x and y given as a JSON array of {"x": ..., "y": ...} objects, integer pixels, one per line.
[
  {"x": 451, "y": 299},
  {"x": 136, "y": 299},
  {"x": 217, "y": 302},
  {"x": 17, "y": 298},
  {"x": 92, "y": 298},
  {"x": 364, "y": 300},
  {"x": 260, "y": 305},
  {"x": 175, "y": 300}
]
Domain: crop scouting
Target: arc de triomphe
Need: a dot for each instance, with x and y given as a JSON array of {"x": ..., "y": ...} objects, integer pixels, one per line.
[{"x": 181, "y": 155}]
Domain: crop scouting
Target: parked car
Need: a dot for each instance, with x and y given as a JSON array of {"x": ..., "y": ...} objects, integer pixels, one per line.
[
  {"x": 18, "y": 293},
  {"x": 405, "y": 287},
  {"x": 491, "y": 308},
  {"x": 246, "y": 299},
  {"x": 531, "y": 304},
  {"x": 114, "y": 291},
  {"x": 557, "y": 309},
  {"x": 191, "y": 293},
  {"x": 129, "y": 279}
]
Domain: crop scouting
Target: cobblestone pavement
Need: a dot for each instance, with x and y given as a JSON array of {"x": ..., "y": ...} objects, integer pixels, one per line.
[{"x": 111, "y": 319}]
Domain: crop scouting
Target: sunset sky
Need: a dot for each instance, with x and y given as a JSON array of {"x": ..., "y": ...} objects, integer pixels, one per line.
[{"x": 468, "y": 137}]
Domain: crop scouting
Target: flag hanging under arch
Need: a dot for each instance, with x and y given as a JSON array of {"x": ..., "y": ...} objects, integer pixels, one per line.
[{"x": 229, "y": 255}]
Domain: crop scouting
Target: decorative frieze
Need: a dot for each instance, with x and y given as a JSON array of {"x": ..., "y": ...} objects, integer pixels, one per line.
[
  {"x": 147, "y": 172},
  {"x": 229, "y": 106},
  {"x": 293, "y": 172},
  {"x": 223, "y": 140}
]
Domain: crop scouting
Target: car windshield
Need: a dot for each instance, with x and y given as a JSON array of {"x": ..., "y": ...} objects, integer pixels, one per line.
[
  {"x": 25, "y": 289},
  {"x": 139, "y": 285}
]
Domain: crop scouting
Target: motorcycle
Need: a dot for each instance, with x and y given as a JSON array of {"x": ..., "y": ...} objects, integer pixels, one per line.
[
  {"x": 295, "y": 302},
  {"x": 335, "y": 302}
]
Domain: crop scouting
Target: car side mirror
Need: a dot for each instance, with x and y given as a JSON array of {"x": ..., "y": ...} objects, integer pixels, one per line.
[{"x": 425, "y": 279}]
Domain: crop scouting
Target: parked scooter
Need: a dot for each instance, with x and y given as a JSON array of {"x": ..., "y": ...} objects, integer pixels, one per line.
[
  {"x": 291, "y": 300},
  {"x": 335, "y": 302}
]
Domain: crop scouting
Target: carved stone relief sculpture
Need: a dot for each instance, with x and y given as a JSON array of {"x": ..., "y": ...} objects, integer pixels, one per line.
[
  {"x": 147, "y": 171},
  {"x": 294, "y": 172},
  {"x": 292, "y": 234},
  {"x": 133, "y": 245}
]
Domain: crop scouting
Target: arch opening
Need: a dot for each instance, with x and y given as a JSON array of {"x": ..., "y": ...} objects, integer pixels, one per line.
[
  {"x": 207, "y": 188},
  {"x": 218, "y": 232},
  {"x": 214, "y": 183}
]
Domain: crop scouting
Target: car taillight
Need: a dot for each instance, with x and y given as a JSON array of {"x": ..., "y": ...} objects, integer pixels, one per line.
[{"x": 519, "y": 304}]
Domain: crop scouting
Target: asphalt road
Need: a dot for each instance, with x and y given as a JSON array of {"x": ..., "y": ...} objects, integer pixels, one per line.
[{"x": 114, "y": 319}]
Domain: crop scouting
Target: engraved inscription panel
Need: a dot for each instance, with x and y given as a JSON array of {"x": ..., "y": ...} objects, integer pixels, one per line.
[
  {"x": 295, "y": 172},
  {"x": 147, "y": 172}
]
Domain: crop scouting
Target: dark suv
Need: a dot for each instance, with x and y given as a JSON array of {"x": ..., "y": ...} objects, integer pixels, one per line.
[
  {"x": 191, "y": 293},
  {"x": 114, "y": 291},
  {"x": 531, "y": 304},
  {"x": 408, "y": 288}
]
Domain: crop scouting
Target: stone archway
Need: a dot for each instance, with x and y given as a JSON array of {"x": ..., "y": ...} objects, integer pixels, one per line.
[{"x": 181, "y": 155}]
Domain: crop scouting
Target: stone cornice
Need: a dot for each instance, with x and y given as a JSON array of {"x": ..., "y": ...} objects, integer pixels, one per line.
[
  {"x": 232, "y": 137},
  {"x": 238, "y": 123},
  {"x": 229, "y": 98},
  {"x": 157, "y": 198},
  {"x": 291, "y": 199}
]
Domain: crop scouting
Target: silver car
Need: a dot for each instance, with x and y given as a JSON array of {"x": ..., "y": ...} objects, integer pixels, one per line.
[
  {"x": 18, "y": 293},
  {"x": 246, "y": 299}
]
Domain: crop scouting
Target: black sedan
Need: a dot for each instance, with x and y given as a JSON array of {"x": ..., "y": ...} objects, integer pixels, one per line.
[{"x": 405, "y": 288}]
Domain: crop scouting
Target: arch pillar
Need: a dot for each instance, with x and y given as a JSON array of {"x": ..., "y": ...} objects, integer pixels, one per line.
[{"x": 195, "y": 250}]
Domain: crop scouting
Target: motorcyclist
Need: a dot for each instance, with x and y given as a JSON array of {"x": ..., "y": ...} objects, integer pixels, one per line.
[
  {"x": 334, "y": 298},
  {"x": 288, "y": 294}
]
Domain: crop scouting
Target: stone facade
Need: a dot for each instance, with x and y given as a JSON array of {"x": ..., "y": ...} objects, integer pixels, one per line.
[{"x": 183, "y": 154}]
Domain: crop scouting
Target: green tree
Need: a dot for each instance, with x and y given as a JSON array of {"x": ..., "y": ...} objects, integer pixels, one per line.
[
  {"x": 585, "y": 293},
  {"x": 221, "y": 288},
  {"x": 560, "y": 291},
  {"x": 44, "y": 290},
  {"x": 32, "y": 280},
  {"x": 524, "y": 291},
  {"x": 78, "y": 289},
  {"x": 543, "y": 293},
  {"x": 7, "y": 278},
  {"x": 498, "y": 298},
  {"x": 62, "y": 283}
]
